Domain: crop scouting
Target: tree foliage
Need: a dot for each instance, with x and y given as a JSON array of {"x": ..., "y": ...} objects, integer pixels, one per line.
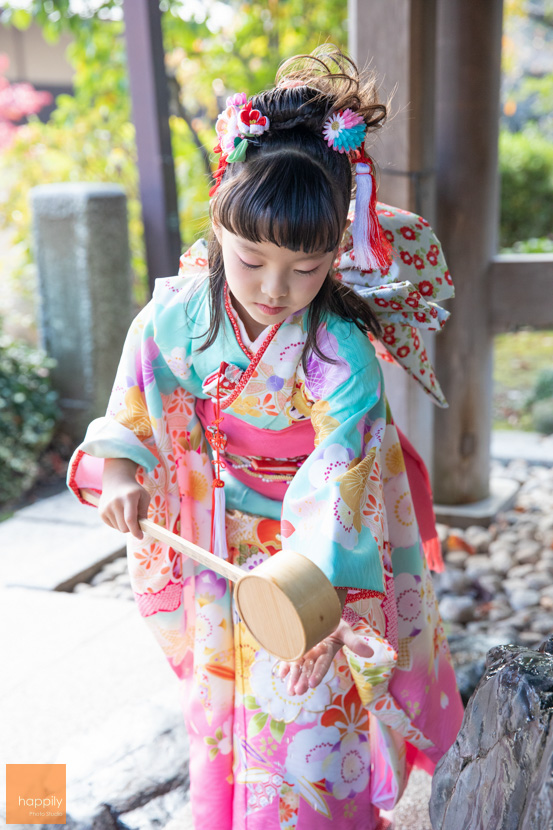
[
  {"x": 17, "y": 101},
  {"x": 212, "y": 49},
  {"x": 526, "y": 140},
  {"x": 526, "y": 167}
]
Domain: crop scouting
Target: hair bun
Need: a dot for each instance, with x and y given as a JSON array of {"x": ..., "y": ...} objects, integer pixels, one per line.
[
  {"x": 327, "y": 80},
  {"x": 299, "y": 105}
]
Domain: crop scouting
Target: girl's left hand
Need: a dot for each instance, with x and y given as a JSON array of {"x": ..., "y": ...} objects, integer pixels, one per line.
[{"x": 308, "y": 672}]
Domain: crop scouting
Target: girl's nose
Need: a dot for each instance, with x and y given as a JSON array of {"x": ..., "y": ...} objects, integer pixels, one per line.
[{"x": 274, "y": 287}]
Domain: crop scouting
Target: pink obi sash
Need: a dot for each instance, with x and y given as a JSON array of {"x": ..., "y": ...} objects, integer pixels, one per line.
[
  {"x": 267, "y": 460},
  {"x": 264, "y": 459}
]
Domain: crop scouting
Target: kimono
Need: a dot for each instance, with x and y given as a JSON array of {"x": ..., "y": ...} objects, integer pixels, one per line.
[{"x": 313, "y": 463}]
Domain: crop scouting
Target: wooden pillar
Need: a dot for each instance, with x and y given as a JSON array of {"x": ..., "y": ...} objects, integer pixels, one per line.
[
  {"x": 150, "y": 104},
  {"x": 397, "y": 39},
  {"x": 467, "y": 117}
]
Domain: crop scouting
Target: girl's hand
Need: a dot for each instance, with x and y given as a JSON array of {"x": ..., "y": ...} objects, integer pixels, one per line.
[
  {"x": 308, "y": 672},
  {"x": 123, "y": 501}
]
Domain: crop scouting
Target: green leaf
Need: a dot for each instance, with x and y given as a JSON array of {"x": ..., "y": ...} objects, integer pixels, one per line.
[
  {"x": 239, "y": 152},
  {"x": 355, "y": 665},
  {"x": 21, "y": 19},
  {"x": 250, "y": 702},
  {"x": 257, "y": 723},
  {"x": 277, "y": 728}
]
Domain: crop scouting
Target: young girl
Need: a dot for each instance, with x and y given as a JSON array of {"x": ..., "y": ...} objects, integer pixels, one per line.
[{"x": 255, "y": 375}]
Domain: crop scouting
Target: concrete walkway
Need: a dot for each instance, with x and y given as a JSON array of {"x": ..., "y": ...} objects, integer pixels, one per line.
[{"x": 84, "y": 682}]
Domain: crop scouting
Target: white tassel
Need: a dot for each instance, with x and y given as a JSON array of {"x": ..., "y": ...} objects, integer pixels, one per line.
[
  {"x": 369, "y": 243},
  {"x": 219, "y": 537}
]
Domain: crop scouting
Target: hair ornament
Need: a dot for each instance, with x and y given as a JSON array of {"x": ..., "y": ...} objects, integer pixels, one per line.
[
  {"x": 344, "y": 131},
  {"x": 235, "y": 127},
  {"x": 372, "y": 249}
]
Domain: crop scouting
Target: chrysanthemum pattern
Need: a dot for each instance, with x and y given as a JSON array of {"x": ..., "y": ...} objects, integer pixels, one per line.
[{"x": 307, "y": 756}]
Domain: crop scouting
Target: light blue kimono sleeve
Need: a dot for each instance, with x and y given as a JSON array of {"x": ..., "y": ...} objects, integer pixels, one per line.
[
  {"x": 333, "y": 511},
  {"x": 155, "y": 361}
]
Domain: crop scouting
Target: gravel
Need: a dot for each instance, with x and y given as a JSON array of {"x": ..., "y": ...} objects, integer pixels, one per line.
[{"x": 503, "y": 574}]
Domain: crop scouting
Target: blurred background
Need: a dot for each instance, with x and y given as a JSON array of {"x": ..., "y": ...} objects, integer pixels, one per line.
[
  {"x": 126, "y": 93},
  {"x": 65, "y": 116}
]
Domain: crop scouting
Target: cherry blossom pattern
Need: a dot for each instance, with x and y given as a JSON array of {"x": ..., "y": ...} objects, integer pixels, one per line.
[
  {"x": 307, "y": 752},
  {"x": 347, "y": 766},
  {"x": 238, "y": 122},
  {"x": 270, "y": 692},
  {"x": 335, "y": 460},
  {"x": 323, "y": 377},
  {"x": 209, "y": 587},
  {"x": 410, "y": 607},
  {"x": 227, "y": 126},
  {"x": 220, "y": 741}
]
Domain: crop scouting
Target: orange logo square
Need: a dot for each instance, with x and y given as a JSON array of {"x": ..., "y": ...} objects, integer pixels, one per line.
[{"x": 35, "y": 794}]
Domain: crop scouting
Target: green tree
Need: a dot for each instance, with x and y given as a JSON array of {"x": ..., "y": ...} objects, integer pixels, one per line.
[{"x": 212, "y": 50}]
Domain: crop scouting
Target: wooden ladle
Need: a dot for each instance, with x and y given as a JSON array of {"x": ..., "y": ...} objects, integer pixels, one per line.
[{"x": 286, "y": 603}]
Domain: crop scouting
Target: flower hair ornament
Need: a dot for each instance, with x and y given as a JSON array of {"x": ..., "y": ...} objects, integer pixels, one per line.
[
  {"x": 345, "y": 131},
  {"x": 236, "y": 126}
]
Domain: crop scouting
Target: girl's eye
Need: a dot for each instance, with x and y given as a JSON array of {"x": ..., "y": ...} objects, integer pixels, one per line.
[
  {"x": 247, "y": 265},
  {"x": 311, "y": 271}
]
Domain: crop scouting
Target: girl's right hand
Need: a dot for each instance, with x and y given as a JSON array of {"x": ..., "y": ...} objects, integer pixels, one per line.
[{"x": 123, "y": 501}]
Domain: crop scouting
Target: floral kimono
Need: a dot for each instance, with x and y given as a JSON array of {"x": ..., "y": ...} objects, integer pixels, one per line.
[{"x": 313, "y": 463}]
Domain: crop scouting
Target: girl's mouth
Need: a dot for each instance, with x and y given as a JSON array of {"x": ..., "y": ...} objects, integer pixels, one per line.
[{"x": 270, "y": 309}]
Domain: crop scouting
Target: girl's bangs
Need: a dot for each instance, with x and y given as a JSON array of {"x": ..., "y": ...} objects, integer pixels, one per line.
[{"x": 287, "y": 204}]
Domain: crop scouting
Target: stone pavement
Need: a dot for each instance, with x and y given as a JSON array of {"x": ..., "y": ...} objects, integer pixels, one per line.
[
  {"x": 86, "y": 684},
  {"x": 89, "y": 687}
]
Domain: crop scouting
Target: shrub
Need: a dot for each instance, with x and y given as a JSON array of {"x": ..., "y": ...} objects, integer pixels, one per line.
[
  {"x": 526, "y": 166},
  {"x": 543, "y": 387},
  {"x": 542, "y": 416},
  {"x": 28, "y": 414}
]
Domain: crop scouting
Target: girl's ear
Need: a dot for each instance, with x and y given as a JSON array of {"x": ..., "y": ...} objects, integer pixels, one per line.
[{"x": 216, "y": 230}]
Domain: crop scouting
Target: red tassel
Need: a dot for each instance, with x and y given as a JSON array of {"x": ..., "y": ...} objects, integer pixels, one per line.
[
  {"x": 433, "y": 554},
  {"x": 372, "y": 249},
  {"x": 218, "y": 440}
]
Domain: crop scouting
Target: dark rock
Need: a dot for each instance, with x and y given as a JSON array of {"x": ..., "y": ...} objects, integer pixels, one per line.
[
  {"x": 136, "y": 757},
  {"x": 457, "y": 609},
  {"x": 158, "y": 812},
  {"x": 468, "y": 653},
  {"x": 498, "y": 775},
  {"x": 450, "y": 581}
]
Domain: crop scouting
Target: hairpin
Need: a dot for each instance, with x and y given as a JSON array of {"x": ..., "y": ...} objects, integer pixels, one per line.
[
  {"x": 235, "y": 127},
  {"x": 344, "y": 131}
]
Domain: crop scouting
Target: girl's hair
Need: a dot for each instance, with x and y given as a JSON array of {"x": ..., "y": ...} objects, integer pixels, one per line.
[{"x": 293, "y": 189}]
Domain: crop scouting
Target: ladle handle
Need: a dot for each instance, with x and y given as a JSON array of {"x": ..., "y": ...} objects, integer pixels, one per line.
[{"x": 195, "y": 552}]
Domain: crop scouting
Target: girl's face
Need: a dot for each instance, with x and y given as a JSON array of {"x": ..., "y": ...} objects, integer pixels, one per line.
[{"x": 267, "y": 282}]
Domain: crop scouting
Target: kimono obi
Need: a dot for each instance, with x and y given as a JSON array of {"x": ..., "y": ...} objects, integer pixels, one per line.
[{"x": 266, "y": 460}]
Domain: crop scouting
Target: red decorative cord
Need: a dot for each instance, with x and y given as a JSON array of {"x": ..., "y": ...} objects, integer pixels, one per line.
[
  {"x": 234, "y": 324},
  {"x": 217, "y": 441}
]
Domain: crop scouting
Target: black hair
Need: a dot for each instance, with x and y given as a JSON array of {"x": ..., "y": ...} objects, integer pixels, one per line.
[{"x": 293, "y": 189}]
